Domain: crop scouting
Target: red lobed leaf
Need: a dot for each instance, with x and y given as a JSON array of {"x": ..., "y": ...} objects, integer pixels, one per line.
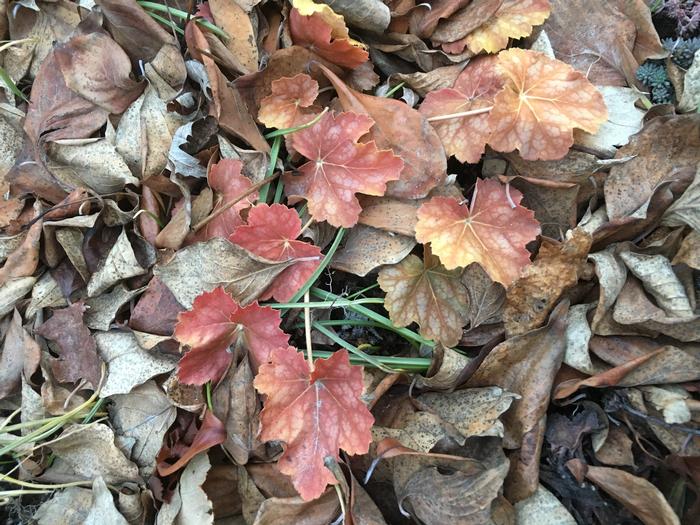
[
  {"x": 215, "y": 322},
  {"x": 314, "y": 33},
  {"x": 315, "y": 413},
  {"x": 271, "y": 233},
  {"x": 340, "y": 167},
  {"x": 475, "y": 88},
  {"x": 283, "y": 108},
  {"x": 491, "y": 232},
  {"x": 226, "y": 180}
]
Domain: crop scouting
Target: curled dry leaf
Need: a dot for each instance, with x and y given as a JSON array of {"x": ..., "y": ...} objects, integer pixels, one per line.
[
  {"x": 542, "y": 102},
  {"x": 271, "y": 233},
  {"x": 328, "y": 42},
  {"x": 513, "y": 19},
  {"x": 215, "y": 322},
  {"x": 465, "y": 136},
  {"x": 339, "y": 166},
  {"x": 315, "y": 413},
  {"x": 490, "y": 231},
  {"x": 284, "y": 107},
  {"x": 426, "y": 293}
]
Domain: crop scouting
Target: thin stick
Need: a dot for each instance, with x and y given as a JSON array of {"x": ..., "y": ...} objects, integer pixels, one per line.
[
  {"x": 461, "y": 114},
  {"x": 255, "y": 187},
  {"x": 307, "y": 332},
  {"x": 308, "y": 223}
]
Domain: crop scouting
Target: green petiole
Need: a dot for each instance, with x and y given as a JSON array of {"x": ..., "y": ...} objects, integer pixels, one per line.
[{"x": 182, "y": 15}]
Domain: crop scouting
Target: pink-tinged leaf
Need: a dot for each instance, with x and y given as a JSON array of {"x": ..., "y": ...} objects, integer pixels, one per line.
[
  {"x": 314, "y": 33},
  {"x": 216, "y": 322},
  {"x": 465, "y": 137},
  {"x": 340, "y": 167},
  {"x": 227, "y": 182},
  {"x": 492, "y": 232},
  {"x": 284, "y": 107},
  {"x": 314, "y": 413},
  {"x": 211, "y": 433},
  {"x": 271, "y": 233},
  {"x": 542, "y": 101}
]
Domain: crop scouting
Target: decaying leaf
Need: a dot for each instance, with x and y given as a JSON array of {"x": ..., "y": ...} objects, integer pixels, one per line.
[
  {"x": 215, "y": 322},
  {"x": 427, "y": 293},
  {"x": 542, "y": 102},
  {"x": 492, "y": 231},
  {"x": 339, "y": 166},
  {"x": 285, "y": 106},
  {"x": 315, "y": 413}
]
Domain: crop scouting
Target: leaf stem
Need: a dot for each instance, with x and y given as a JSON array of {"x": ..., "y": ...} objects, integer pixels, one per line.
[
  {"x": 274, "y": 155},
  {"x": 353, "y": 349},
  {"x": 405, "y": 364},
  {"x": 394, "y": 89},
  {"x": 461, "y": 114}
]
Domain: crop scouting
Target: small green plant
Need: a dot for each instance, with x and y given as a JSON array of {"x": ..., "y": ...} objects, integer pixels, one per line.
[{"x": 654, "y": 76}]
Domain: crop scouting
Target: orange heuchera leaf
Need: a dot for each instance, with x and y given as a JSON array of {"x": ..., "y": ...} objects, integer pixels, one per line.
[
  {"x": 227, "y": 183},
  {"x": 493, "y": 231},
  {"x": 315, "y": 413},
  {"x": 543, "y": 100},
  {"x": 215, "y": 322},
  {"x": 271, "y": 233},
  {"x": 465, "y": 137},
  {"x": 426, "y": 293},
  {"x": 282, "y": 108},
  {"x": 514, "y": 19},
  {"x": 314, "y": 33},
  {"x": 339, "y": 167}
]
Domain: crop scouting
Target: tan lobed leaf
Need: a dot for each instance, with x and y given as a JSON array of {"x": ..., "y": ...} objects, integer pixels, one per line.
[
  {"x": 665, "y": 146},
  {"x": 638, "y": 495},
  {"x": 526, "y": 365},
  {"x": 555, "y": 270},
  {"x": 465, "y": 137},
  {"x": 290, "y": 95},
  {"x": 542, "y": 102},
  {"x": 513, "y": 19},
  {"x": 406, "y": 132},
  {"x": 486, "y": 297},
  {"x": 427, "y": 293},
  {"x": 490, "y": 231}
]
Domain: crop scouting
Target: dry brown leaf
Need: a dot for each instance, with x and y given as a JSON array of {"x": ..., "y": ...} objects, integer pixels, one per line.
[
  {"x": 366, "y": 249},
  {"x": 556, "y": 269},
  {"x": 20, "y": 357},
  {"x": 486, "y": 297},
  {"x": 230, "y": 17}
]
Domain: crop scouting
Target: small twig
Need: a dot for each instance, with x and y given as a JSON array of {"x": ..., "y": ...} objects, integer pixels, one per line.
[{"x": 306, "y": 226}]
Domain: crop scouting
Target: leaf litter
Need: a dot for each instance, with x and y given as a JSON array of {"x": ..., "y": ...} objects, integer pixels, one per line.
[{"x": 359, "y": 262}]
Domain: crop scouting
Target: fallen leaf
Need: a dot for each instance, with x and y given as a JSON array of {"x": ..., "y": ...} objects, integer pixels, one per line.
[
  {"x": 665, "y": 146},
  {"x": 689, "y": 251},
  {"x": 465, "y": 137},
  {"x": 156, "y": 310},
  {"x": 210, "y": 433},
  {"x": 271, "y": 233},
  {"x": 462, "y": 21},
  {"x": 513, "y": 19},
  {"x": 414, "y": 140},
  {"x": 20, "y": 357},
  {"x": 684, "y": 210},
  {"x": 240, "y": 28},
  {"x": 128, "y": 365},
  {"x": 315, "y": 413},
  {"x": 315, "y": 33},
  {"x": 365, "y": 249},
  {"x": 215, "y": 322},
  {"x": 120, "y": 264},
  {"x": 556, "y": 269},
  {"x": 77, "y": 356},
  {"x": 71, "y": 504},
  {"x": 103, "y": 509},
  {"x": 89, "y": 451},
  {"x": 226, "y": 180},
  {"x": 217, "y": 262},
  {"x": 339, "y": 167},
  {"x": 24, "y": 259},
  {"x": 638, "y": 495},
  {"x": 102, "y": 310},
  {"x": 285, "y": 106},
  {"x": 496, "y": 240},
  {"x": 143, "y": 416},
  {"x": 542, "y": 102},
  {"x": 485, "y": 297},
  {"x": 542, "y": 508},
  {"x": 525, "y": 365},
  {"x": 426, "y": 293}
]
